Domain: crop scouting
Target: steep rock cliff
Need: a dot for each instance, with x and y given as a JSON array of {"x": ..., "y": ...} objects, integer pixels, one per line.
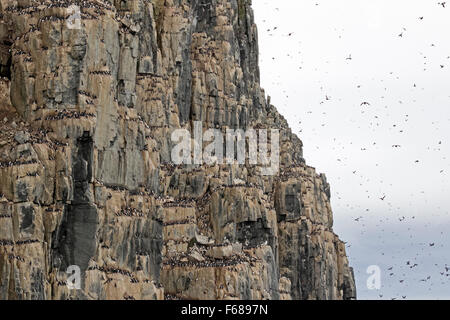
[{"x": 86, "y": 177}]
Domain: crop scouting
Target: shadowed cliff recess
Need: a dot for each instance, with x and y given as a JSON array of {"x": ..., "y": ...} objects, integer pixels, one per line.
[{"x": 90, "y": 96}]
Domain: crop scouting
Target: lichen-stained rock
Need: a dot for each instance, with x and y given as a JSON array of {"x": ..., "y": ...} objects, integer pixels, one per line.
[{"x": 86, "y": 175}]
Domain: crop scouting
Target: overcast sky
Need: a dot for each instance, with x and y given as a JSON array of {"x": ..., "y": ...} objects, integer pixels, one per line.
[{"x": 366, "y": 85}]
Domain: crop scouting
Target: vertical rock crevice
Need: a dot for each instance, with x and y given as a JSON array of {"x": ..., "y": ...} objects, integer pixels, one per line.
[{"x": 76, "y": 237}]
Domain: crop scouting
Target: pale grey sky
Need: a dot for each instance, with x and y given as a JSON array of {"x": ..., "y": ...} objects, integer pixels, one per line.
[{"x": 400, "y": 66}]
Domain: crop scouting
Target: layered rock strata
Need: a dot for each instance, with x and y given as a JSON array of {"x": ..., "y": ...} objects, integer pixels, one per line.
[{"x": 86, "y": 176}]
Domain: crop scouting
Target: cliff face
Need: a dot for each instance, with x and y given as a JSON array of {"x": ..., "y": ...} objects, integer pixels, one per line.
[{"x": 86, "y": 178}]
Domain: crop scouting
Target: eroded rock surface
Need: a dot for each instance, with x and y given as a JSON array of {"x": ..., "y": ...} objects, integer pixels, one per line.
[{"x": 86, "y": 178}]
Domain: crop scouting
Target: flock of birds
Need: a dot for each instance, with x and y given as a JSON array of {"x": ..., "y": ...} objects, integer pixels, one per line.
[
  {"x": 394, "y": 222},
  {"x": 396, "y": 272}
]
